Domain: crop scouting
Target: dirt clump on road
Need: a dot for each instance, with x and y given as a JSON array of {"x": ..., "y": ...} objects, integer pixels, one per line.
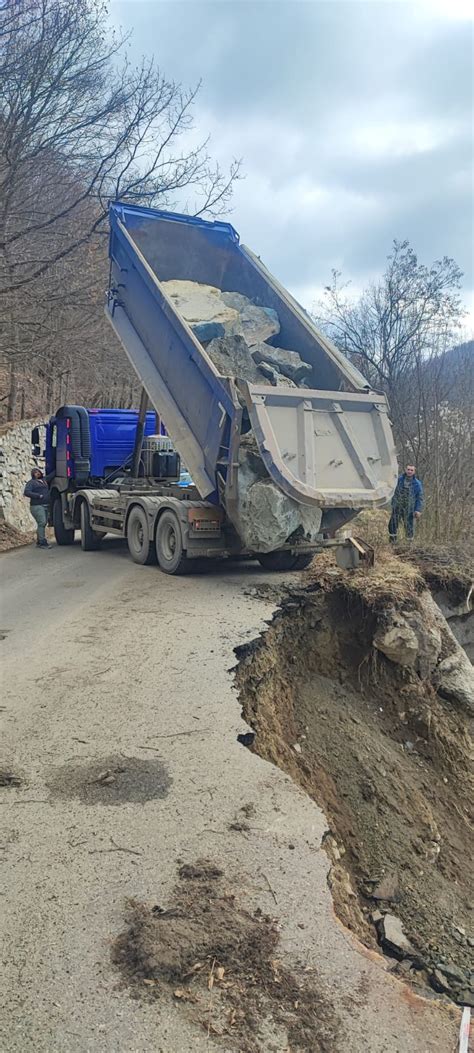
[
  {"x": 219, "y": 962},
  {"x": 111, "y": 780},
  {"x": 9, "y": 778},
  {"x": 360, "y": 692}
]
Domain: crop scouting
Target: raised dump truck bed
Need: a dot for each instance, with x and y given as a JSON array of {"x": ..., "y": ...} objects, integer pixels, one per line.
[{"x": 328, "y": 445}]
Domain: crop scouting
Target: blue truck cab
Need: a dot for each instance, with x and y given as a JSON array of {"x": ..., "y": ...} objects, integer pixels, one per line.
[{"x": 87, "y": 446}]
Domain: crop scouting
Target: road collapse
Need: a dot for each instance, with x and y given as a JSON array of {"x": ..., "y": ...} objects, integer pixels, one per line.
[{"x": 360, "y": 691}]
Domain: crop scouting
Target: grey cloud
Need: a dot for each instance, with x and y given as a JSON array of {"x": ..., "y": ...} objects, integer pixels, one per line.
[{"x": 298, "y": 89}]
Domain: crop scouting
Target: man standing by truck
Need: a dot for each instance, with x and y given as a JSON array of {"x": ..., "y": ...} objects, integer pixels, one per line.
[
  {"x": 407, "y": 504},
  {"x": 38, "y": 492}
]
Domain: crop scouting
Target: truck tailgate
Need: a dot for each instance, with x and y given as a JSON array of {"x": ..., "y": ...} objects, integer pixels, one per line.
[{"x": 329, "y": 448}]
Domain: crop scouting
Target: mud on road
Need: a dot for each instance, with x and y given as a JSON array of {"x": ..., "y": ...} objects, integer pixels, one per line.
[{"x": 220, "y": 962}]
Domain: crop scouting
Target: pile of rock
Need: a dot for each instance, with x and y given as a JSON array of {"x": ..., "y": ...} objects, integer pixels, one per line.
[{"x": 234, "y": 332}]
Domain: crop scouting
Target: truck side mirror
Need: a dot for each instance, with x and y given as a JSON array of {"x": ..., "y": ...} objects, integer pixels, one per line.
[{"x": 35, "y": 437}]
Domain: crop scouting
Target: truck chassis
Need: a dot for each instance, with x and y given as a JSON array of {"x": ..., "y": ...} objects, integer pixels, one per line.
[{"x": 164, "y": 525}]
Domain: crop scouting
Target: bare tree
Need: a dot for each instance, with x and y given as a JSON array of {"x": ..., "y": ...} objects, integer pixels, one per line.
[
  {"x": 400, "y": 333},
  {"x": 79, "y": 125},
  {"x": 77, "y": 115},
  {"x": 412, "y": 307}
]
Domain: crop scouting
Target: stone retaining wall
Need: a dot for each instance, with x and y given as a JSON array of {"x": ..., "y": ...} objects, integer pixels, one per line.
[{"x": 16, "y": 462}]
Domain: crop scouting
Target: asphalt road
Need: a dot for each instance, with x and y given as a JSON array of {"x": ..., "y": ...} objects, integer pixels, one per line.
[{"x": 102, "y": 658}]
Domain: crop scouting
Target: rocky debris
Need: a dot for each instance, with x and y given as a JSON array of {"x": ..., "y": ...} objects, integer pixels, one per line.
[
  {"x": 412, "y": 638},
  {"x": 451, "y": 981},
  {"x": 454, "y": 679},
  {"x": 419, "y": 638},
  {"x": 398, "y": 641},
  {"x": 275, "y": 377},
  {"x": 234, "y": 330},
  {"x": 267, "y": 517},
  {"x": 451, "y": 972},
  {"x": 466, "y": 997},
  {"x": 387, "y": 888},
  {"x": 11, "y": 538},
  {"x": 393, "y": 939},
  {"x": 449, "y": 572},
  {"x": 231, "y": 358},
  {"x": 257, "y": 323},
  {"x": 439, "y": 982},
  {"x": 200, "y": 304},
  {"x": 402, "y": 814},
  {"x": 289, "y": 363}
]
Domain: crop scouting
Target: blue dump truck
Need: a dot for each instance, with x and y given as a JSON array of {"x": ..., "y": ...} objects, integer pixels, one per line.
[{"x": 323, "y": 451}]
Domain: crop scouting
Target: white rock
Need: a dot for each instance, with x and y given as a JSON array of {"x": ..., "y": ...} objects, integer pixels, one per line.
[
  {"x": 398, "y": 642},
  {"x": 202, "y": 303}
]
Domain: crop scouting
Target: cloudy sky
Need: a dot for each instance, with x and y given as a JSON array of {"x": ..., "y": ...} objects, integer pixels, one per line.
[{"x": 353, "y": 119}]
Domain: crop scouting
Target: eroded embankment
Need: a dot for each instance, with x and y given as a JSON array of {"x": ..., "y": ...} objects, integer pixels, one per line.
[{"x": 360, "y": 692}]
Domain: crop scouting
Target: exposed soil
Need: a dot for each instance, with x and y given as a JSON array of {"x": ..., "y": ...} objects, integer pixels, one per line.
[
  {"x": 111, "y": 780},
  {"x": 220, "y": 963},
  {"x": 11, "y": 538},
  {"x": 446, "y": 570},
  {"x": 384, "y": 756}
]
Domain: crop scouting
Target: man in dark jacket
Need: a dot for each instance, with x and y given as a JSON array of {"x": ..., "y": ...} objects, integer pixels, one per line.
[
  {"x": 38, "y": 492},
  {"x": 407, "y": 504}
]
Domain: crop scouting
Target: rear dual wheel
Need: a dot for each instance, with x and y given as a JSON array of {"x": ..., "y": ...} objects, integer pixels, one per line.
[{"x": 168, "y": 548}]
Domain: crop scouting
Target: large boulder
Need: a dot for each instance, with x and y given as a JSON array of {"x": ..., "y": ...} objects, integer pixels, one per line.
[
  {"x": 277, "y": 380},
  {"x": 257, "y": 324},
  {"x": 267, "y": 517},
  {"x": 289, "y": 363},
  {"x": 397, "y": 640},
  {"x": 202, "y": 305},
  {"x": 421, "y": 639},
  {"x": 412, "y": 638},
  {"x": 232, "y": 358},
  {"x": 213, "y": 314}
]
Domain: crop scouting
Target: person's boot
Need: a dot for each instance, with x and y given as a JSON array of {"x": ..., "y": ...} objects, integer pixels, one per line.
[{"x": 44, "y": 544}]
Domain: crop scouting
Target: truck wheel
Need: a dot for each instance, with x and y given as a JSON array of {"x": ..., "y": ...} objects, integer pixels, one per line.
[
  {"x": 63, "y": 536},
  {"x": 281, "y": 561},
  {"x": 89, "y": 540},
  {"x": 138, "y": 539},
  {"x": 169, "y": 545}
]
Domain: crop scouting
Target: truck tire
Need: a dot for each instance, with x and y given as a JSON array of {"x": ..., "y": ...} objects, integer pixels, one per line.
[
  {"x": 284, "y": 561},
  {"x": 169, "y": 545},
  {"x": 63, "y": 535},
  {"x": 140, "y": 547},
  {"x": 90, "y": 542}
]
